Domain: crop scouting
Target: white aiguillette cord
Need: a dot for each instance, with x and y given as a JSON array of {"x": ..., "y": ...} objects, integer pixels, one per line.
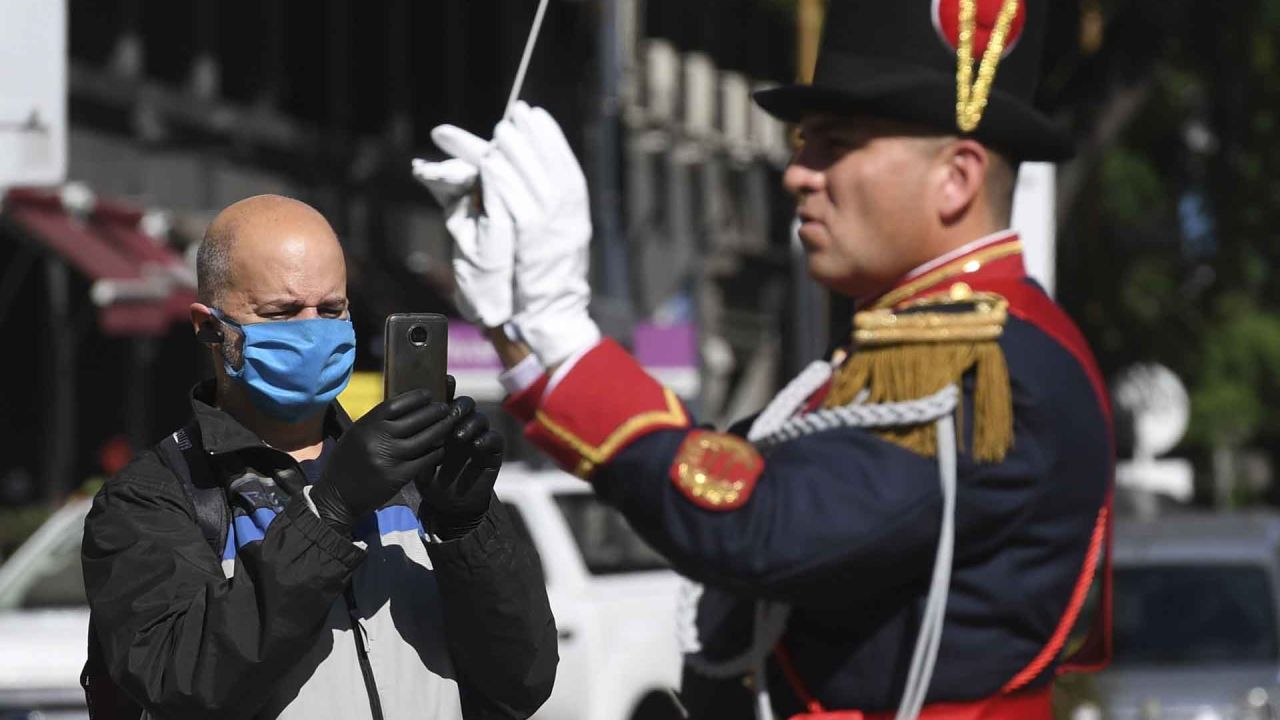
[
  {"x": 779, "y": 423},
  {"x": 524, "y": 59}
]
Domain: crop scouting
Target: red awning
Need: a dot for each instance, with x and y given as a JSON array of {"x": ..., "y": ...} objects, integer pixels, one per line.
[
  {"x": 165, "y": 273},
  {"x": 140, "y": 286}
]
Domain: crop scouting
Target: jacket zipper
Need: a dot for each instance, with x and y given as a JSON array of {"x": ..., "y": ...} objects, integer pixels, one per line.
[{"x": 362, "y": 653}]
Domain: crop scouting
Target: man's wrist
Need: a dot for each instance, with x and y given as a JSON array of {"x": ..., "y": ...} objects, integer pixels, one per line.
[
  {"x": 454, "y": 528},
  {"x": 526, "y": 374},
  {"x": 329, "y": 508},
  {"x": 511, "y": 351},
  {"x": 448, "y": 527}
]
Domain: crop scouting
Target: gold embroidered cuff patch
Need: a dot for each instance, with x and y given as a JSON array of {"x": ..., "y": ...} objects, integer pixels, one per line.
[{"x": 716, "y": 471}]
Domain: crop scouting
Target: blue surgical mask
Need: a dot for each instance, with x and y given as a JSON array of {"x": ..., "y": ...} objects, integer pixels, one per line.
[{"x": 293, "y": 369}]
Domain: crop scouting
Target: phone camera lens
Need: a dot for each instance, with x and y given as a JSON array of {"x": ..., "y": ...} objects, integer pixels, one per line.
[{"x": 418, "y": 335}]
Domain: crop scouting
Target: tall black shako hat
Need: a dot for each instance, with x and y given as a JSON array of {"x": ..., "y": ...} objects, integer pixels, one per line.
[{"x": 965, "y": 66}]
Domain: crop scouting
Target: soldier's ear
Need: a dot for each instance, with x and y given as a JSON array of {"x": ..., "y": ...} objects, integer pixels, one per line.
[{"x": 962, "y": 171}]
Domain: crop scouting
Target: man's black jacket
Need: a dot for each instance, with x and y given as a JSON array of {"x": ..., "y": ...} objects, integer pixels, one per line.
[{"x": 266, "y": 632}]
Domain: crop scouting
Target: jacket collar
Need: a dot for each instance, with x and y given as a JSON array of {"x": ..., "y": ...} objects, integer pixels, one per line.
[
  {"x": 222, "y": 433},
  {"x": 996, "y": 255}
]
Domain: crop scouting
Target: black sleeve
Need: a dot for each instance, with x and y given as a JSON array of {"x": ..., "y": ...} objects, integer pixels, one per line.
[
  {"x": 179, "y": 637},
  {"x": 498, "y": 620}
]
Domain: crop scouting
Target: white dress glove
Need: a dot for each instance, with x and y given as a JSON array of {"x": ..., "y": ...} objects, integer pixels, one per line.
[
  {"x": 483, "y": 238},
  {"x": 544, "y": 189}
]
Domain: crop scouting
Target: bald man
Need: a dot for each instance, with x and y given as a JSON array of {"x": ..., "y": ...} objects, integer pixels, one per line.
[{"x": 227, "y": 566}]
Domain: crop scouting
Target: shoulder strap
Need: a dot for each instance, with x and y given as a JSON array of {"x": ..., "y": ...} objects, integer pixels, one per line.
[{"x": 183, "y": 453}]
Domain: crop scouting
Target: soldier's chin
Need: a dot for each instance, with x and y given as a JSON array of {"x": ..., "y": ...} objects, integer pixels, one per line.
[
  {"x": 820, "y": 269},
  {"x": 840, "y": 278}
]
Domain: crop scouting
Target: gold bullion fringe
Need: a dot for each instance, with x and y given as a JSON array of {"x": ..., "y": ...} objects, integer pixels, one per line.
[{"x": 910, "y": 371}]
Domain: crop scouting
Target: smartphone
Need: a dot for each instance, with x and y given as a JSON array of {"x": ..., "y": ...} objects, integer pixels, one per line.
[{"x": 415, "y": 354}]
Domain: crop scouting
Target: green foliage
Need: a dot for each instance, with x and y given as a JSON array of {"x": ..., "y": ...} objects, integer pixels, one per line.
[
  {"x": 1149, "y": 292},
  {"x": 1145, "y": 285},
  {"x": 1136, "y": 192},
  {"x": 1239, "y": 383}
]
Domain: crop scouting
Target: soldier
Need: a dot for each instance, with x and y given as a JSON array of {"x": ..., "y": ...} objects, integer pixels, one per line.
[{"x": 914, "y": 523}]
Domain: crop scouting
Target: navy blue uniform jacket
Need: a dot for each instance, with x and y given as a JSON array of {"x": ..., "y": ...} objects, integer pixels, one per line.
[{"x": 843, "y": 525}]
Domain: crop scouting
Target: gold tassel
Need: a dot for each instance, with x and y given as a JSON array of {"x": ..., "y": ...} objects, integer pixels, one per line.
[
  {"x": 993, "y": 405},
  {"x": 909, "y": 371}
]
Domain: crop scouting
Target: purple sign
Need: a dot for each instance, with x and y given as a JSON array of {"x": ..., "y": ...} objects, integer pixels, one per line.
[
  {"x": 469, "y": 349},
  {"x": 668, "y": 352},
  {"x": 666, "y": 346}
]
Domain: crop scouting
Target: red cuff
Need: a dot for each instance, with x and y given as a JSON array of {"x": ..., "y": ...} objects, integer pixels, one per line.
[
  {"x": 605, "y": 403},
  {"x": 524, "y": 404}
]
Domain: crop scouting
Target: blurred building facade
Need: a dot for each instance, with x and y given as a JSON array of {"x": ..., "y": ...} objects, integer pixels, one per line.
[{"x": 183, "y": 108}]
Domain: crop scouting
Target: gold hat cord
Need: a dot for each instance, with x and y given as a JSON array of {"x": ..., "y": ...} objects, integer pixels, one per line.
[{"x": 972, "y": 95}]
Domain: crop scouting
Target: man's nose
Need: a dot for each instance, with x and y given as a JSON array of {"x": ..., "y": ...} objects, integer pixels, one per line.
[{"x": 307, "y": 313}]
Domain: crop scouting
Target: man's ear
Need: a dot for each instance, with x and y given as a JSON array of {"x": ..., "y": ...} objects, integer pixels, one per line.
[
  {"x": 207, "y": 328},
  {"x": 963, "y": 166}
]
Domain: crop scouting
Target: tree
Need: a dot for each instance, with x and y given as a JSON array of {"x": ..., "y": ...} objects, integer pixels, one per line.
[{"x": 1170, "y": 215}]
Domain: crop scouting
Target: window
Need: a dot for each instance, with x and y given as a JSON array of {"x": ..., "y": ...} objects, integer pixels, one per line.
[
  {"x": 608, "y": 544},
  {"x": 1194, "y": 614}
]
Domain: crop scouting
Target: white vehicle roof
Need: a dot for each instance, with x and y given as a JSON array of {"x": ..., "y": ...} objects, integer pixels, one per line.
[{"x": 519, "y": 475}]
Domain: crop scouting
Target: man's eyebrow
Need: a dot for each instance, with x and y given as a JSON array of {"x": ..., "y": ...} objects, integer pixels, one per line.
[
  {"x": 278, "y": 301},
  {"x": 292, "y": 302}
]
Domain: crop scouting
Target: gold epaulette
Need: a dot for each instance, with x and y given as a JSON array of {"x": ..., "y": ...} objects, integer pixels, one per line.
[{"x": 917, "y": 348}]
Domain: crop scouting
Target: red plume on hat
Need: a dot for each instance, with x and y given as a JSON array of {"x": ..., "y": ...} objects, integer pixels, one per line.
[
  {"x": 965, "y": 66},
  {"x": 946, "y": 20}
]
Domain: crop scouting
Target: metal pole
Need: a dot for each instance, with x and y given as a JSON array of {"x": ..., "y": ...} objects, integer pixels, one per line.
[
  {"x": 455, "y": 94},
  {"x": 127, "y": 55},
  {"x": 399, "y": 61},
  {"x": 273, "y": 88},
  {"x": 60, "y": 386},
  {"x": 138, "y": 400},
  {"x": 615, "y": 288},
  {"x": 338, "y": 153},
  {"x": 205, "y": 80}
]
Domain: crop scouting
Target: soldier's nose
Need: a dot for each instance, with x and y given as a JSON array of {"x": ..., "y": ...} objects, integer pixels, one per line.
[{"x": 800, "y": 180}]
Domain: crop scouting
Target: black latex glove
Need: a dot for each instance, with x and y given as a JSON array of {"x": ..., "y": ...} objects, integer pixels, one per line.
[
  {"x": 456, "y": 496},
  {"x": 397, "y": 442}
]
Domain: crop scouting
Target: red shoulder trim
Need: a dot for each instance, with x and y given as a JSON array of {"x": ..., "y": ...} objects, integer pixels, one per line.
[{"x": 1030, "y": 304}]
